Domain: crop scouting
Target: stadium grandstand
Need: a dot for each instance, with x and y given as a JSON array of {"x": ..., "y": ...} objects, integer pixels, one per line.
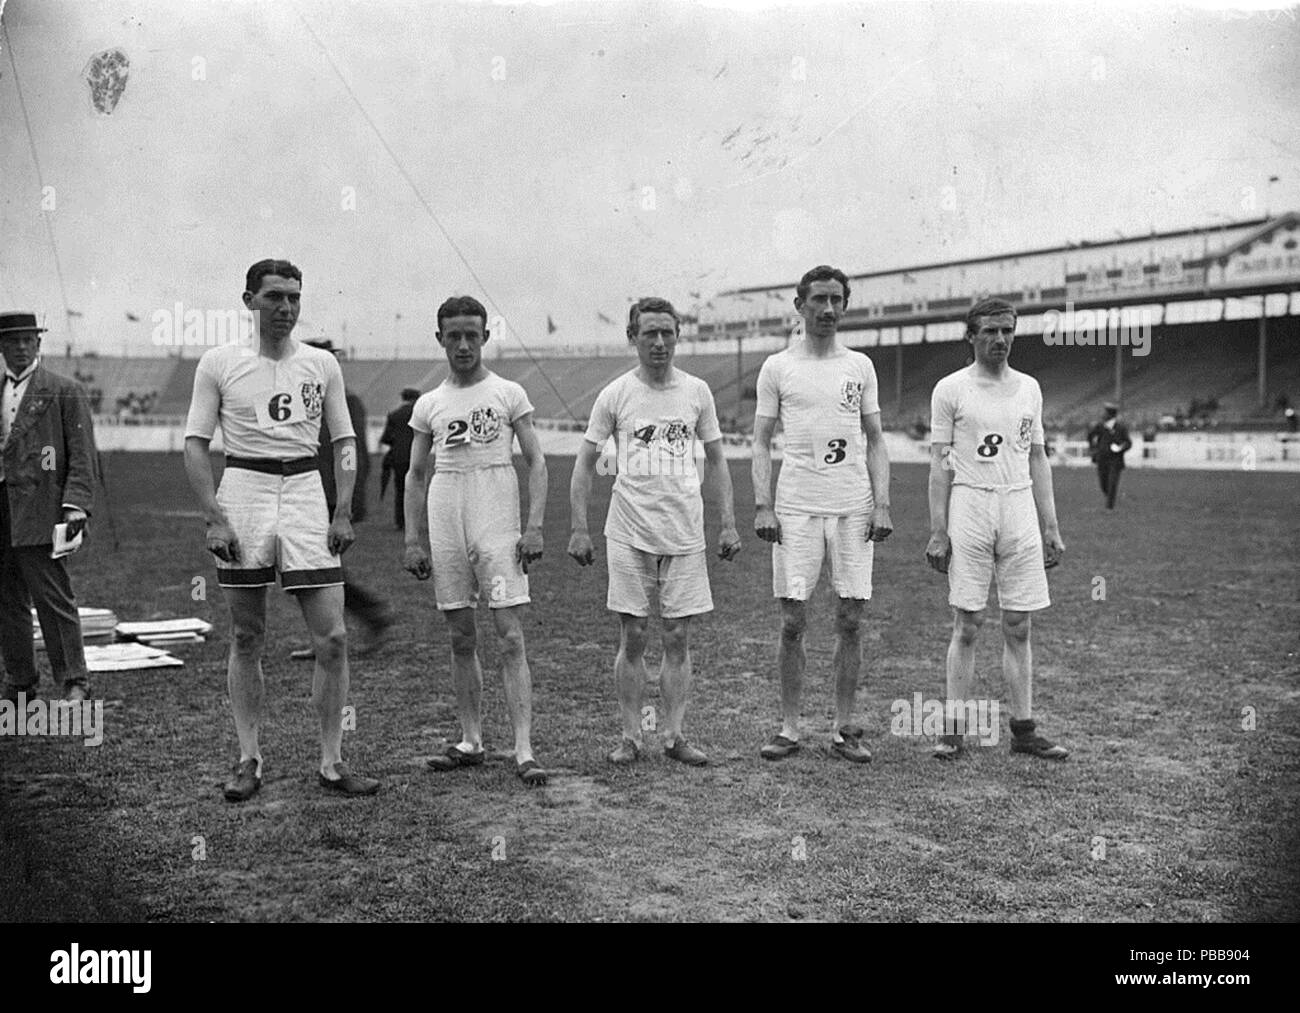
[{"x": 1195, "y": 329}]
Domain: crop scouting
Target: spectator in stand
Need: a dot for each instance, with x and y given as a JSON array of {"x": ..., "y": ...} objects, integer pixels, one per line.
[
  {"x": 397, "y": 436},
  {"x": 1108, "y": 442}
]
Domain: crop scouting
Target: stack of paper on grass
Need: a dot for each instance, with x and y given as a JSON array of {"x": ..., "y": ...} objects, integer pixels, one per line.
[
  {"x": 165, "y": 631},
  {"x": 126, "y": 657},
  {"x": 97, "y": 626}
]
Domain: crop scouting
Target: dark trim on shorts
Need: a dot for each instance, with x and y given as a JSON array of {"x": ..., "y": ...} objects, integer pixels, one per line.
[
  {"x": 306, "y": 580},
  {"x": 268, "y": 466},
  {"x": 261, "y": 576}
]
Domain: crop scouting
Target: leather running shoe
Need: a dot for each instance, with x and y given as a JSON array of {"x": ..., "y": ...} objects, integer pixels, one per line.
[
  {"x": 779, "y": 748},
  {"x": 1036, "y": 745},
  {"x": 349, "y": 783},
  {"x": 245, "y": 783},
  {"x": 949, "y": 747},
  {"x": 627, "y": 752},
  {"x": 851, "y": 748},
  {"x": 683, "y": 752}
]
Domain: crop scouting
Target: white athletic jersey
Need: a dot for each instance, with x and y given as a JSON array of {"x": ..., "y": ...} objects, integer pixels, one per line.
[
  {"x": 990, "y": 427},
  {"x": 268, "y": 408},
  {"x": 471, "y": 427},
  {"x": 656, "y": 505},
  {"x": 820, "y": 403}
]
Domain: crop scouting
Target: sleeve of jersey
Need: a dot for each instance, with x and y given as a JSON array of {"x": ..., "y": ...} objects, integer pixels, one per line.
[
  {"x": 769, "y": 396},
  {"x": 941, "y": 415},
  {"x": 1037, "y": 434},
  {"x": 603, "y": 420},
  {"x": 707, "y": 428},
  {"x": 519, "y": 403},
  {"x": 870, "y": 388},
  {"x": 205, "y": 402},
  {"x": 420, "y": 415},
  {"x": 336, "y": 403}
]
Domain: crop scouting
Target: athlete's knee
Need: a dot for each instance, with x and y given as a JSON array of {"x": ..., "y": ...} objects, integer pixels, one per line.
[
  {"x": 464, "y": 637},
  {"x": 966, "y": 626},
  {"x": 632, "y": 630},
  {"x": 511, "y": 636},
  {"x": 676, "y": 637},
  {"x": 249, "y": 638},
  {"x": 331, "y": 645},
  {"x": 794, "y": 621},
  {"x": 848, "y": 618},
  {"x": 1015, "y": 627}
]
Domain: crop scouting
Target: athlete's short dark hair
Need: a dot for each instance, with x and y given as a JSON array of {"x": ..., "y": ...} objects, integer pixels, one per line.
[
  {"x": 461, "y": 306},
  {"x": 650, "y": 304},
  {"x": 991, "y": 307},
  {"x": 282, "y": 268},
  {"x": 823, "y": 272}
]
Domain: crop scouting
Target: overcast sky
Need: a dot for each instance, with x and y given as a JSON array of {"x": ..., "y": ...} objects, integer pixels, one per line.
[{"x": 579, "y": 155}]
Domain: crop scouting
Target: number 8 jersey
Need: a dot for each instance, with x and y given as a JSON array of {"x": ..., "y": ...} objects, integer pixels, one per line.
[
  {"x": 820, "y": 401},
  {"x": 990, "y": 424}
]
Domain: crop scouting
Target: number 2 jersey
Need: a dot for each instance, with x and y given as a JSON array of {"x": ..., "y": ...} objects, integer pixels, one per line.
[
  {"x": 820, "y": 401},
  {"x": 990, "y": 426},
  {"x": 471, "y": 428},
  {"x": 268, "y": 408}
]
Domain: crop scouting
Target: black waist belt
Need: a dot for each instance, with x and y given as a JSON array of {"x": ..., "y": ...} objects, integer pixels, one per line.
[{"x": 270, "y": 467}]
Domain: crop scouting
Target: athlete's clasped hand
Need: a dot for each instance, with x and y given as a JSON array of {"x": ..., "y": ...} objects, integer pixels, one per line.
[
  {"x": 1053, "y": 548},
  {"x": 340, "y": 535},
  {"x": 729, "y": 544},
  {"x": 580, "y": 548},
  {"x": 415, "y": 560},
  {"x": 221, "y": 542},
  {"x": 880, "y": 526},
  {"x": 766, "y": 526},
  {"x": 529, "y": 548},
  {"x": 938, "y": 552}
]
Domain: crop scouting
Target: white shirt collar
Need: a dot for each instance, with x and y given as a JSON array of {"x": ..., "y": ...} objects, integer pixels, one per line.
[{"x": 26, "y": 373}]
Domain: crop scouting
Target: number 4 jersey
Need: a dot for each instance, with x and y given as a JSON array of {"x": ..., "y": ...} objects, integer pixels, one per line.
[
  {"x": 990, "y": 425},
  {"x": 820, "y": 401},
  {"x": 471, "y": 427},
  {"x": 268, "y": 408}
]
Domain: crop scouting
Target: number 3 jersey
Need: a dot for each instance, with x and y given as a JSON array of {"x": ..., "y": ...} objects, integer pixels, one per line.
[
  {"x": 268, "y": 408},
  {"x": 820, "y": 401},
  {"x": 471, "y": 427},
  {"x": 991, "y": 427}
]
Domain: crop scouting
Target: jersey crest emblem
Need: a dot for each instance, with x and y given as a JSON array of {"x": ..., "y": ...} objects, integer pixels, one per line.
[
  {"x": 313, "y": 398},
  {"x": 484, "y": 424},
  {"x": 1025, "y": 432},
  {"x": 676, "y": 436},
  {"x": 851, "y": 395}
]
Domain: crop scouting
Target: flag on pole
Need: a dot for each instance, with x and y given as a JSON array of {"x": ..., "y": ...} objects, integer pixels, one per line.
[{"x": 550, "y": 325}]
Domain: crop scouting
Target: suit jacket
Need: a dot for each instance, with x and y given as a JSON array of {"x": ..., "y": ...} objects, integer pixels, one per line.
[
  {"x": 398, "y": 435},
  {"x": 49, "y": 457},
  {"x": 325, "y": 460},
  {"x": 1100, "y": 438}
]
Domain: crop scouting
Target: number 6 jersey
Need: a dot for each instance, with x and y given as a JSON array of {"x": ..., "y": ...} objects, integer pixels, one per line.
[
  {"x": 471, "y": 427},
  {"x": 820, "y": 401},
  {"x": 990, "y": 424},
  {"x": 268, "y": 408}
]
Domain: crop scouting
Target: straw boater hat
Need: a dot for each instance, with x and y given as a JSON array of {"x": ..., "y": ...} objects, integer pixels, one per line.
[{"x": 11, "y": 322}]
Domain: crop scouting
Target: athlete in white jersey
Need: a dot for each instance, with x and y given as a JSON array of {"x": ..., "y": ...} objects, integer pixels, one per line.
[
  {"x": 832, "y": 498},
  {"x": 466, "y": 531},
  {"x": 654, "y": 532},
  {"x": 270, "y": 514},
  {"x": 990, "y": 494}
]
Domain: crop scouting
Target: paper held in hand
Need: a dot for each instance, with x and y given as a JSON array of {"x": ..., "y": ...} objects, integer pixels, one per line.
[{"x": 63, "y": 545}]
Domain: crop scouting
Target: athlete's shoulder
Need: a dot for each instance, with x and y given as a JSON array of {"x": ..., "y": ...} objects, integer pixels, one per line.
[
  {"x": 1028, "y": 382},
  {"x": 953, "y": 382}
]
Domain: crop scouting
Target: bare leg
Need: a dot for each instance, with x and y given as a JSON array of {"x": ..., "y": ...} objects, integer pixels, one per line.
[
  {"x": 848, "y": 660},
  {"x": 629, "y": 673},
  {"x": 675, "y": 680},
  {"x": 792, "y": 660},
  {"x": 517, "y": 678},
  {"x": 1018, "y": 663},
  {"x": 244, "y": 667},
  {"x": 468, "y": 676},
  {"x": 322, "y": 608}
]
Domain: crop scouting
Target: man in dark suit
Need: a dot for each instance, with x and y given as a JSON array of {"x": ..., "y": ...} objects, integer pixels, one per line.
[
  {"x": 47, "y": 454},
  {"x": 397, "y": 436},
  {"x": 1108, "y": 442},
  {"x": 372, "y": 611}
]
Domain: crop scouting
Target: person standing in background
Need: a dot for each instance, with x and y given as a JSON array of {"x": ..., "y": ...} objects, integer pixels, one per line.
[
  {"x": 397, "y": 437},
  {"x": 1108, "y": 442}
]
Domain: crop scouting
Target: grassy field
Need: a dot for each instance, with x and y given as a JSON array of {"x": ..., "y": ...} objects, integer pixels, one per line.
[{"x": 1167, "y": 810}]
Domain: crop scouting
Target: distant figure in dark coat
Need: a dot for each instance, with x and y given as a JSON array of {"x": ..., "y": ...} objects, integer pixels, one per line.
[
  {"x": 397, "y": 436},
  {"x": 1108, "y": 442}
]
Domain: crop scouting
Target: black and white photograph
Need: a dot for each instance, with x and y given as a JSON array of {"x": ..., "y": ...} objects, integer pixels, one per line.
[{"x": 650, "y": 462}]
